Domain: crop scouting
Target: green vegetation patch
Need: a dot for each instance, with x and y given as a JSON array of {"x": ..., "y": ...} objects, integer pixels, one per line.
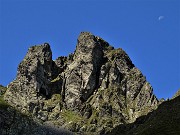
[
  {"x": 55, "y": 99},
  {"x": 69, "y": 115},
  {"x": 3, "y": 104},
  {"x": 2, "y": 90},
  {"x": 56, "y": 79},
  {"x": 116, "y": 53}
]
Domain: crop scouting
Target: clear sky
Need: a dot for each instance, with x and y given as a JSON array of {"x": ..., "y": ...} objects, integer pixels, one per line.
[{"x": 148, "y": 30}]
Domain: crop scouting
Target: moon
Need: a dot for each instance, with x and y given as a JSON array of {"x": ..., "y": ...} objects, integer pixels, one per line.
[{"x": 160, "y": 18}]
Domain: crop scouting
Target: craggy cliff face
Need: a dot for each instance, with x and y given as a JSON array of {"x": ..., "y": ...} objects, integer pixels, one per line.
[{"x": 92, "y": 90}]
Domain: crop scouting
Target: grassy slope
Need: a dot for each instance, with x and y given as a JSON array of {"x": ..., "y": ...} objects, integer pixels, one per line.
[
  {"x": 163, "y": 121},
  {"x": 3, "y": 104}
]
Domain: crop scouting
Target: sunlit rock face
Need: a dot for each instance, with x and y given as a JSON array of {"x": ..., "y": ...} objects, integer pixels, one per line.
[
  {"x": 93, "y": 89},
  {"x": 82, "y": 74}
]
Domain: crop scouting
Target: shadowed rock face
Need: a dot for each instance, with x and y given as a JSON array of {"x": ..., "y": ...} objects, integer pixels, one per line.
[{"x": 94, "y": 89}]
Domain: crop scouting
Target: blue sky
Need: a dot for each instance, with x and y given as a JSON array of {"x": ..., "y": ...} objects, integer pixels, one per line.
[{"x": 148, "y": 30}]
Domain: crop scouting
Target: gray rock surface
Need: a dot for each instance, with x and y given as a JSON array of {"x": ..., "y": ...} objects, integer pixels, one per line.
[{"x": 94, "y": 89}]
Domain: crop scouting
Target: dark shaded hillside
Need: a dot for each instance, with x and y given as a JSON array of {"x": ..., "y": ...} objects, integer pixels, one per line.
[{"x": 163, "y": 121}]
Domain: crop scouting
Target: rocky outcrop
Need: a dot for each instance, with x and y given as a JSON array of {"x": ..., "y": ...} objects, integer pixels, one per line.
[
  {"x": 81, "y": 76},
  {"x": 94, "y": 89},
  {"x": 32, "y": 85}
]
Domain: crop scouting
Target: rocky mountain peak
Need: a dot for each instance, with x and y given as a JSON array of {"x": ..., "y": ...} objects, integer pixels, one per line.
[
  {"x": 87, "y": 46},
  {"x": 92, "y": 90}
]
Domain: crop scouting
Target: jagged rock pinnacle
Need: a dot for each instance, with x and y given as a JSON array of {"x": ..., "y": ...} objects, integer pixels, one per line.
[{"x": 97, "y": 84}]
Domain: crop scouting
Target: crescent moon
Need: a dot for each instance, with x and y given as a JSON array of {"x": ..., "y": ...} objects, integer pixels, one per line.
[{"x": 160, "y": 18}]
